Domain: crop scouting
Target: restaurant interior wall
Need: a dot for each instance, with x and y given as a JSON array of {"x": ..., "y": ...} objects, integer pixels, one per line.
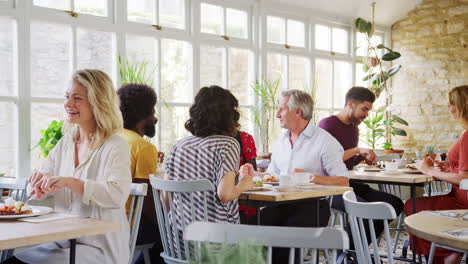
[
  {"x": 433, "y": 40},
  {"x": 41, "y": 45}
]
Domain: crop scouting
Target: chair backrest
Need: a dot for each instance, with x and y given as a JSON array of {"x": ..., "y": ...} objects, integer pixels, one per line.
[
  {"x": 188, "y": 194},
  {"x": 138, "y": 192},
  {"x": 464, "y": 184},
  {"x": 358, "y": 212},
  {"x": 438, "y": 188},
  {"x": 270, "y": 236}
]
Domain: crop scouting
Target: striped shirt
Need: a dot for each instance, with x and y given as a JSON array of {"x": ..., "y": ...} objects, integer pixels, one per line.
[{"x": 194, "y": 158}]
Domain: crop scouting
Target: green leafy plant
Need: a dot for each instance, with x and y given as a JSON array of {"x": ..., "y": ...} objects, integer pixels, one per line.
[
  {"x": 429, "y": 149},
  {"x": 376, "y": 126},
  {"x": 246, "y": 253},
  {"x": 267, "y": 91},
  {"x": 50, "y": 136},
  {"x": 376, "y": 74}
]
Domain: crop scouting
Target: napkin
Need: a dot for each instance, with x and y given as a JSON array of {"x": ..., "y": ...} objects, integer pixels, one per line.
[{"x": 47, "y": 217}]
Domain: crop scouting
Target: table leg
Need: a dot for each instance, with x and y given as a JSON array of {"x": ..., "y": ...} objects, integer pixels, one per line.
[
  {"x": 413, "y": 201},
  {"x": 259, "y": 209},
  {"x": 72, "y": 251}
]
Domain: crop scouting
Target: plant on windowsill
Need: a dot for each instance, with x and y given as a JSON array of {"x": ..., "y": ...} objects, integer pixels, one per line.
[
  {"x": 265, "y": 112},
  {"x": 376, "y": 126},
  {"x": 50, "y": 137}
]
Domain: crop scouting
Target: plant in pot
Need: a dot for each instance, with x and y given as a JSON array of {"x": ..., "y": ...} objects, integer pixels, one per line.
[
  {"x": 265, "y": 112},
  {"x": 50, "y": 137},
  {"x": 377, "y": 127},
  {"x": 429, "y": 154}
]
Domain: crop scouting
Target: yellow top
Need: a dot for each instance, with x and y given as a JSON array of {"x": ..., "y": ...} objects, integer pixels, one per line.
[{"x": 143, "y": 155}]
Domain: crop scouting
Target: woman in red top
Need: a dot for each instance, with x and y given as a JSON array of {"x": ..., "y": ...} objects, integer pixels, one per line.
[
  {"x": 247, "y": 155},
  {"x": 455, "y": 172}
]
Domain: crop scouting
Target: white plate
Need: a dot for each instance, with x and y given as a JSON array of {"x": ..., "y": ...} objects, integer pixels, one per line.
[
  {"x": 271, "y": 183},
  {"x": 373, "y": 170},
  {"x": 265, "y": 186},
  {"x": 36, "y": 210}
]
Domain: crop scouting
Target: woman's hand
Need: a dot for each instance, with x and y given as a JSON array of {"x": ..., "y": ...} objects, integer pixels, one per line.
[
  {"x": 51, "y": 184},
  {"x": 443, "y": 165},
  {"x": 424, "y": 167},
  {"x": 35, "y": 181},
  {"x": 246, "y": 175}
]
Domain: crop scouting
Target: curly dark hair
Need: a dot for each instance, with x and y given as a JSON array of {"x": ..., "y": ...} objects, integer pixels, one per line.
[
  {"x": 213, "y": 113},
  {"x": 137, "y": 102}
]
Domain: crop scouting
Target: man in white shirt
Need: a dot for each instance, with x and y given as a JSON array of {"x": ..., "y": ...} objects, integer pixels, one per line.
[{"x": 303, "y": 148}]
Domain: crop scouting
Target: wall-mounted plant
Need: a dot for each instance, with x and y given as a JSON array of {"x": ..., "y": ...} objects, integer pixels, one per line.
[
  {"x": 50, "y": 136},
  {"x": 265, "y": 113}
]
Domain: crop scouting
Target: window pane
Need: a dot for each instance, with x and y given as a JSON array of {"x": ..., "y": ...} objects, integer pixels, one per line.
[
  {"x": 342, "y": 83},
  {"x": 322, "y": 37},
  {"x": 57, "y": 4},
  {"x": 360, "y": 74},
  {"x": 276, "y": 30},
  {"x": 298, "y": 73},
  {"x": 8, "y": 138},
  {"x": 247, "y": 121},
  {"x": 323, "y": 82},
  {"x": 340, "y": 40},
  {"x": 140, "y": 48},
  {"x": 41, "y": 116},
  {"x": 296, "y": 33},
  {"x": 96, "y": 50},
  {"x": 239, "y": 79},
  {"x": 141, "y": 11},
  {"x": 211, "y": 66},
  {"x": 275, "y": 66},
  {"x": 51, "y": 59},
  {"x": 92, "y": 7},
  {"x": 236, "y": 23},
  {"x": 362, "y": 43},
  {"x": 319, "y": 115},
  {"x": 211, "y": 19},
  {"x": 172, "y": 13},
  {"x": 176, "y": 70},
  {"x": 172, "y": 126},
  {"x": 8, "y": 56}
]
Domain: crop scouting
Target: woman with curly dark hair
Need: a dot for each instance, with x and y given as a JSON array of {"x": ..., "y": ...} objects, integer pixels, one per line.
[{"x": 211, "y": 153}]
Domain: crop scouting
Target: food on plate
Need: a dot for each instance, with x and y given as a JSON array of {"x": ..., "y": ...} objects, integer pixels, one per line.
[
  {"x": 270, "y": 178},
  {"x": 411, "y": 166},
  {"x": 12, "y": 207},
  {"x": 258, "y": 181},
  {"x": 375, "y": 166}
]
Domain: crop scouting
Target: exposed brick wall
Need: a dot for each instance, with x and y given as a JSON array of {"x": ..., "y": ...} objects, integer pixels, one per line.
[{"x": 433, "y": 40}]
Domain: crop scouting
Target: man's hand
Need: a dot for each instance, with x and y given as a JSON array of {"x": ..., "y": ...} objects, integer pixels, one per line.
[{"x": 368, "y": 154}]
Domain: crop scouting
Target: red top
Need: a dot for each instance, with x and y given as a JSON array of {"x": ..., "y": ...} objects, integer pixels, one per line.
[
  {"x": 248, "y": 151},
  {"x": 458, "y": 154}
]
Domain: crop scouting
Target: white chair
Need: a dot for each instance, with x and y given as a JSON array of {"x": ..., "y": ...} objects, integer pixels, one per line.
[
  {"x": 271, "y": 236},
  {"x": 463, "y": 186},
  {"x": 18, "y": 192},
  {"x": 437, "y": 188},
  {"x": 138, "y": 193},
  {"x": 359, "y": 212},
  {"x": 176, "y": 250}
]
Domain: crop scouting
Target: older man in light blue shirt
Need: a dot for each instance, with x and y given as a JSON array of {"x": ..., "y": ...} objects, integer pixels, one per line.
[{"x": 303, "y": 147}]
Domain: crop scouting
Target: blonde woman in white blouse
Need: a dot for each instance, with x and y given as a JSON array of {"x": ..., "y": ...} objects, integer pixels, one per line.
[{"x": 93, "y": 165}]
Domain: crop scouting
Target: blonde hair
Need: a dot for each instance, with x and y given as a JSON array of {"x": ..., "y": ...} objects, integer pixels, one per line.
[
  {"x": 104, "y": 103},
  {"x": 458, "y": 97}
]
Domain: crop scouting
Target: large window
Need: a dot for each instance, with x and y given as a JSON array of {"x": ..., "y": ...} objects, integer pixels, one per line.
[{"x": 187, "y": 44}]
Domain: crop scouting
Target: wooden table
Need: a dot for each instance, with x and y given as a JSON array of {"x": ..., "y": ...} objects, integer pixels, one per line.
[
  {"x": 430, "y": 227},
  {"x": 258, "y": 199},
  {"x": 411, "y": 180},
  {"x": 14, "y": 234}
]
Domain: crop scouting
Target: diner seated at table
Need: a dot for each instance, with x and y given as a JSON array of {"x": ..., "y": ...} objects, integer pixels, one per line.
[
  {"x": 211, "y": 153},
  {"x": 344, "y": 127},
  {"x": 137, "y": 103},
  {"x": 455, "y": 172},
  {"x": 303, "y": 147},
  {"x": 87, "y": 173}
]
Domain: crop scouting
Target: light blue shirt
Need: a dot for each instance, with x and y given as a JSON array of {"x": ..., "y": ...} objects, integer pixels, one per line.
[{"x": 315, "y": 151}]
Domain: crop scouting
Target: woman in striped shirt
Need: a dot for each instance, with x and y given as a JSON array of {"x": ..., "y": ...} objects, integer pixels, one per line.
[{"x": 211, "y": 153}]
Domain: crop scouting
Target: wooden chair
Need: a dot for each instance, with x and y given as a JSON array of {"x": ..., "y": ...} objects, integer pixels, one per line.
[
  {"x": 271, "y": 236},
  {"x": 359, "y": 212},
  {"x": 138, "y": 193},
  {"x": 176, "y": 250}
]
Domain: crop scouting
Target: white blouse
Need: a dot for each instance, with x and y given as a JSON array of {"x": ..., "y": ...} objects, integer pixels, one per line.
[{"x": 107, "y": 180}]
